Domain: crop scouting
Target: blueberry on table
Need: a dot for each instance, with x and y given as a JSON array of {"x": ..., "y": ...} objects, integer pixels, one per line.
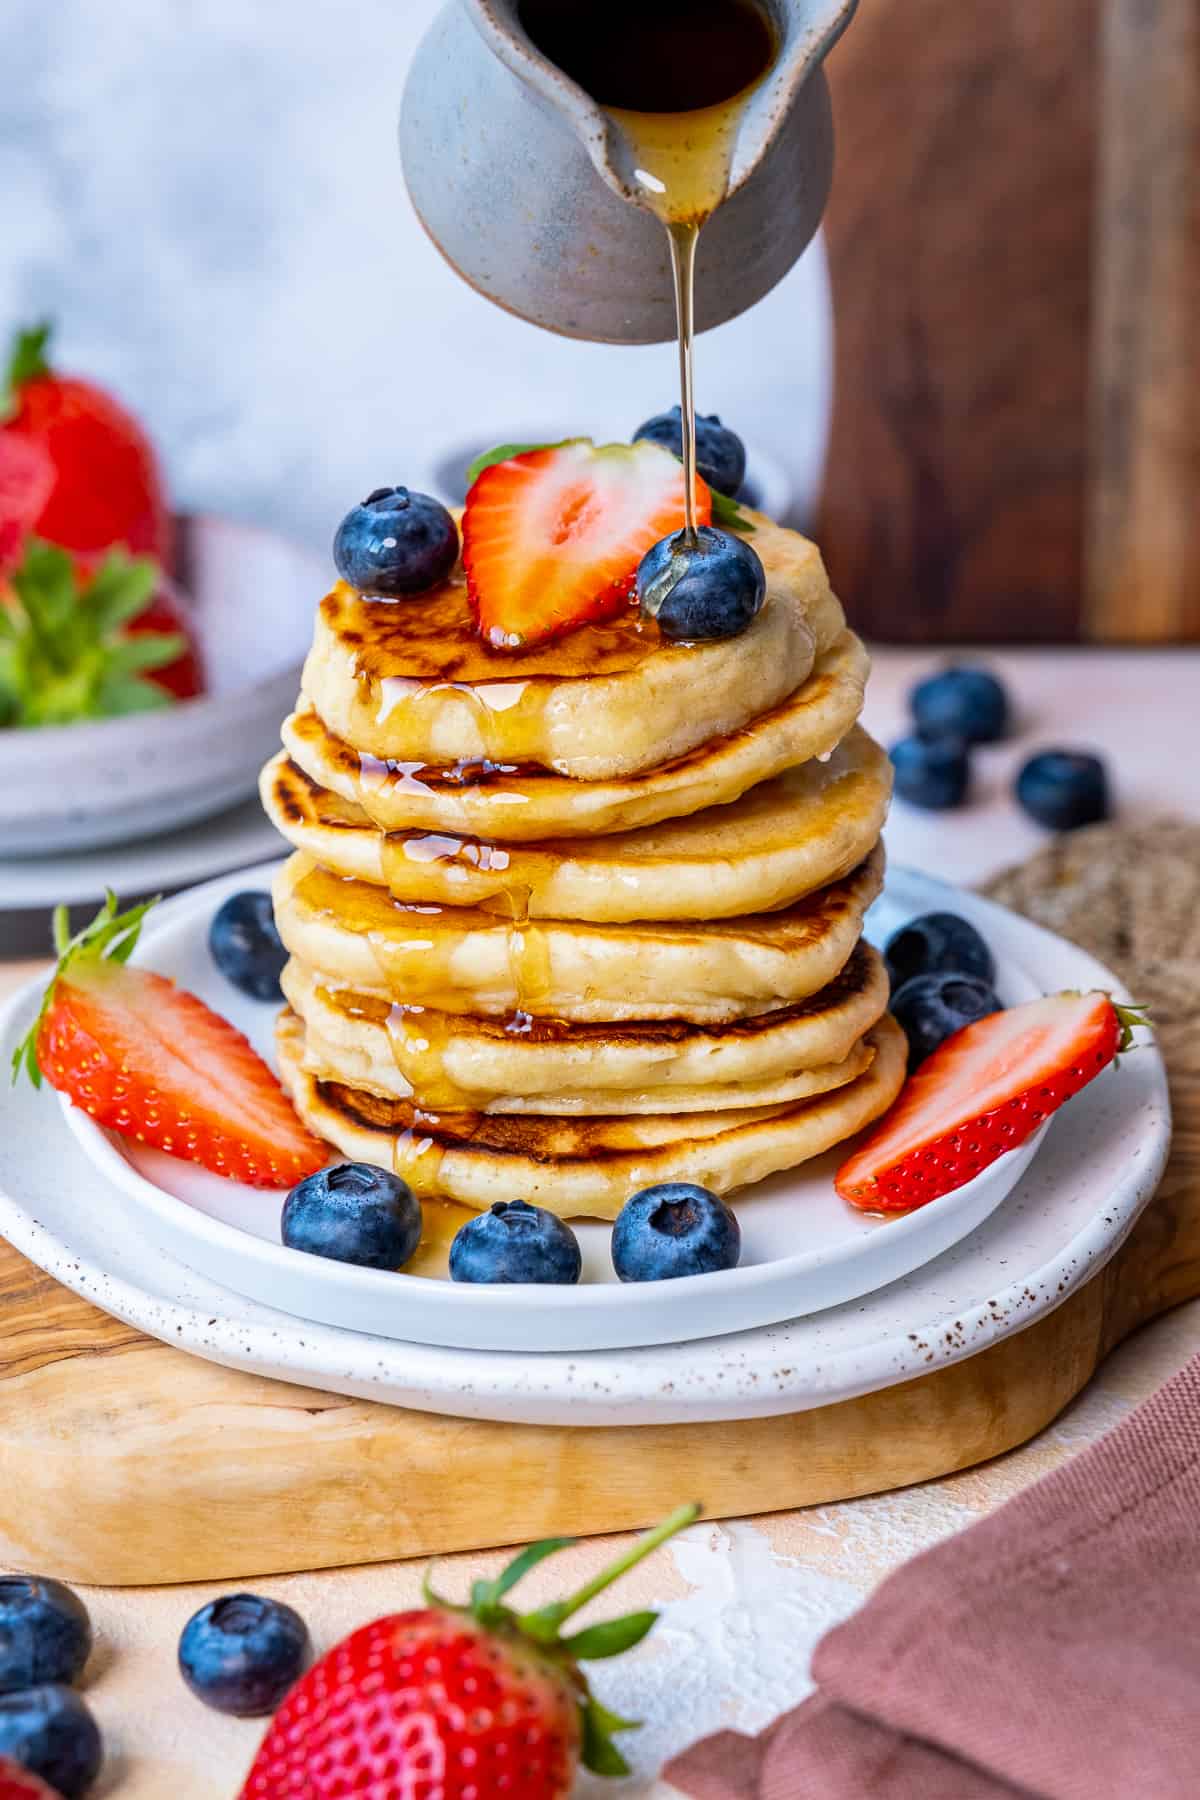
[
  {"x": 672, "y": 1229},
  {"x": 934, "y": 944},
  {"x": 931, "y": 772},
  {"x": 709, "y": 586},
  {"x": 353, "y": 1213},
  {"x": 931, "y": 1008},
  {"x": 395, "y": 543},
  {"x": 1063, "y": 789},
  {"x": 514, "y": 1241},
  {"x": 50, "y": 1731},
  {"x": 961, "y": 702},
  {"x": 245, "y": 945},
  {"x": 45, "y": 1633},
  {"x": 720, "y": 453},
  {"x": 242, "y": 1654}
]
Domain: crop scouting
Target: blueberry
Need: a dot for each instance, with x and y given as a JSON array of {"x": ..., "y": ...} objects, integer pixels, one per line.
[
  {"x": 961, "y": 702},
  {"x": 720, "y": 453},
  {"x": 355, "y": 1213},
  {"x": 935, "y": 944},
  {"x": 514, "y": 1241},
  {"x": 395, "y": 543},
  {"x": 241, "y": 1654},
  {"x": 709, "y": 588},
  {"x": 45, "y": 1633},
  {"x": 49, "y": 1730},
  {"x": 674, "y": 1229},
  {"x": 928, "y": 1008},
  {"x": 246, "y": 946},
  {"x": 1063, "y": 789},
  {"x": 932, "y": 772}
]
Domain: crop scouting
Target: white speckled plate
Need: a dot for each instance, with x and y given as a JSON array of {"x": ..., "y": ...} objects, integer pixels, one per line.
[
  {"x": 1099, "y": 1165},
  {"x": 803, "y": 1248}
]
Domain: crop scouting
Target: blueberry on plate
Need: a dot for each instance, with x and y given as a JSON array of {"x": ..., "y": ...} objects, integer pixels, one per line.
[
  {"x": 514, "y": 1241},
  {"x": 720, "y": 453},
  {"x": 931, "y": 772},
  {"x": 241, "y": 1654},
  {"x": 935, "y": 944},
  {"x": 353, "y": 1213},
  {"x": 50, "y": 1731},
  {"x": 710, "y": 587},
  {"x": 245, "y": 945},
  {"x": 930, "y": 1008},
  {"x": 45, "y": 1633},
  {"x": 395, "y": 543},
  {"x": 674, "y": 1228},
  {"x": 1063, "y": 789},
  {"x": 961, "y": 702}
]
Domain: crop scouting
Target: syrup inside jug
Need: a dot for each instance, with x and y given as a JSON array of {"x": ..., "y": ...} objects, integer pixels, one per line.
[{"x": 674, "y": 76}]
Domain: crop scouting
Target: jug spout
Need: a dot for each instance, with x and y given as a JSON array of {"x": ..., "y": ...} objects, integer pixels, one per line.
[{"x": 545, "y": 201}]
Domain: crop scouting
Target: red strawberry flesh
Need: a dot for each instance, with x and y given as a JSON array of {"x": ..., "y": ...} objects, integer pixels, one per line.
[
  {"x": 982, "y": 1092},
  {"x": 17, "y": 1783},
  {"x": 552, "y": 538},
  {"x": 26, "y": 482}
]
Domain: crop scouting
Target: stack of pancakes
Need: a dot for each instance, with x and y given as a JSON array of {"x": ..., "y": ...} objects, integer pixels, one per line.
[{"x": 568, "y": 920}]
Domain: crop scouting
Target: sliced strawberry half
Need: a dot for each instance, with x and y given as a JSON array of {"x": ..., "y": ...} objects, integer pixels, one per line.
[
  {"x": 26, "y": 482},
  {"x": 552, "y": 538},
  {"x": 982, "y": 1092},
  {"x": 151, "y": 1061}
]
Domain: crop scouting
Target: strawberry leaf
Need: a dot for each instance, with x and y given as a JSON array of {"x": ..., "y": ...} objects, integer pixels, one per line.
[
  {"x": 487, "y": 1595},
  {"x": 64, "y": 655},
  {"x": 1129, "y": 1018},
  {"x": 489, "y": 458},
  {"x": 597, "y": 1750},
  {"x": 612, "y": 1638},
  {"x": 27, "y": 361},
  {"x": 122, "y": 587},
  {"x": 727, "y": 512},
  {"x": 112, "y": 935}
]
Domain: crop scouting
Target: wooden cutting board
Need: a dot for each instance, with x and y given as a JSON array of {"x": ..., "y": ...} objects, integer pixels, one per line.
[{"x": 123, "y": 1461}]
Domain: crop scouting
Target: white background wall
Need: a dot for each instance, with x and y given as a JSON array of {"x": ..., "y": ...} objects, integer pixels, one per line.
[{"x": 207, "y": 195}]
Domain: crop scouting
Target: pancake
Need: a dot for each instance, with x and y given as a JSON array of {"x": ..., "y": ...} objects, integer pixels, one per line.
[
  {"x": 782, "y": 840},
  {"x": 466, "y": 960},
  {"x": 517, "y": 804},
  {"x": 585, "y": 1168},
  {"x": 367, "y": 1042},
  {"x": 412, "y": 680},
  {"x": 486, "y": 1063},
  {"x": 353, "y": 1065}
]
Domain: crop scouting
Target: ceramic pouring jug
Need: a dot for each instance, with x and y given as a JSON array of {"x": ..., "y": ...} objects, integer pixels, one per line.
[{"x": 527, "y": 186}]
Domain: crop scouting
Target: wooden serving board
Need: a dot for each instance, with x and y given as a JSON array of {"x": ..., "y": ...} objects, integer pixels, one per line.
[{"x": 123, "y": 1461}]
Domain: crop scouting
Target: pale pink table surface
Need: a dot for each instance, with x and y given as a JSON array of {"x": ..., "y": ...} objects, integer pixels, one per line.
[{"x": 743, "y": 1602}]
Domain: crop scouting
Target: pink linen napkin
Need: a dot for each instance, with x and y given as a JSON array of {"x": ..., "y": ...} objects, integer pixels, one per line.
[{"x": 1051, "y": 1650}]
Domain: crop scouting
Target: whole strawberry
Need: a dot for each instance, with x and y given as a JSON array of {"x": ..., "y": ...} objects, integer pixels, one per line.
[
  {"x": 446, "y": 1702},
  {"x": 149, "y": 1060},
  {"x": 107, "y": 488},
  {"x": 17, "y": 1783}
]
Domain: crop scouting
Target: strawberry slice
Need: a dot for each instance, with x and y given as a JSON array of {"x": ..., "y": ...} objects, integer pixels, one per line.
[
  {"x": 982, "y": 1092},
  {"x": 151, "y": 1061},
  {"x": 552, "y": 538},
  {"x": 26, "y": 482}
]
